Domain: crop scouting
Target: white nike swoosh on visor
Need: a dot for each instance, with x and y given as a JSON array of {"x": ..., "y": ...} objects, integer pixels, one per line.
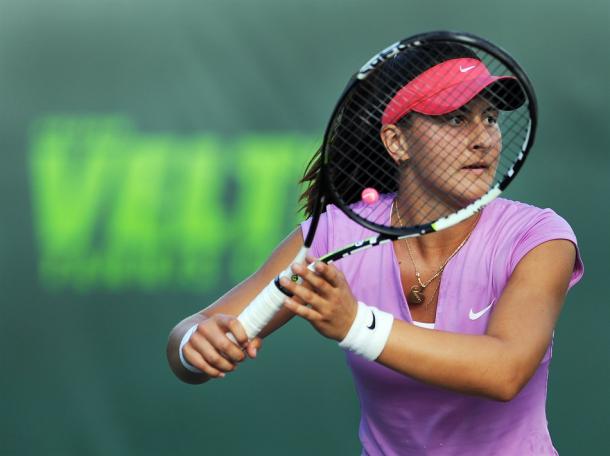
[
  {"x": 465, "y": 70},
  {"x": 476, "y": 315}
]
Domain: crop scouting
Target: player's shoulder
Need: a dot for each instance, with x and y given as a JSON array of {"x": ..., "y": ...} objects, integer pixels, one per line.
[
  {"x": 504, "y": 211},
  {"x": 508, "y": 207},
  {"x": 508, "y": 219},
  {"x": 512, "y": 229}
]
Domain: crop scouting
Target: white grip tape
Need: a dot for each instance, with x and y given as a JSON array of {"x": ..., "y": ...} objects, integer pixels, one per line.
[
  {"x": 263, "y": 308},
  {"x": 369, "y": 332},
  {"x": 260, "y": 311},
  {"x": 183, "y": 342}
]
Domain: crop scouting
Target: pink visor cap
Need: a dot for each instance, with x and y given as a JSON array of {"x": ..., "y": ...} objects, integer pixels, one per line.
[{"x": 448, "y": 86}]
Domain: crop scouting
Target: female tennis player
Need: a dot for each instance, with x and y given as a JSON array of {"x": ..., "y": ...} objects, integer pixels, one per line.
[{"x": 468, "y": 312}]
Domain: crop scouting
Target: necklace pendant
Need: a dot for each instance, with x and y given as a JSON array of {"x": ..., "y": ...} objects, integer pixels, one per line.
[{"x": 416, "y": 295}]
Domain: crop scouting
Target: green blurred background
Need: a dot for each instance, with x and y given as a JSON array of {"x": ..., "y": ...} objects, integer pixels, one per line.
[{"x": 122, "y": 123}]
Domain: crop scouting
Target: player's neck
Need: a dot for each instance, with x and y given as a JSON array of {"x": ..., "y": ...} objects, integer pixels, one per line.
[{"x": 436, "y": 246}]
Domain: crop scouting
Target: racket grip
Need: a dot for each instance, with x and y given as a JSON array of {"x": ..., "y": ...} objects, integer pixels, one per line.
[
  {"x": 268, "y": 302},
  {"x": 260, "y": 311}
]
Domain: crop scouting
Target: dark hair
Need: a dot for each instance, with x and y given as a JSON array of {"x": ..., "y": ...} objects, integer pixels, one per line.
[{"x": 358, "y": 122}]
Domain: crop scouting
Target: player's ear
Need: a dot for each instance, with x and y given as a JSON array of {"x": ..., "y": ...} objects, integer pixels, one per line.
[{"x": 395, "y": 143}]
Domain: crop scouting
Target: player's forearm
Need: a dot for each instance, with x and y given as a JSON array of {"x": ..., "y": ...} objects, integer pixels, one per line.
[{"x": 473, "y": 364}]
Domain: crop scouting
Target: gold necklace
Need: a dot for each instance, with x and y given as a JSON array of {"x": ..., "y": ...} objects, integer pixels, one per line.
[
  {"x": 416, "y": 295},
  {"x": 438, "y": 285}
]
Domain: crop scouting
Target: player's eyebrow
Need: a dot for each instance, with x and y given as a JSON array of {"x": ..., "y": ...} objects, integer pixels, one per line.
[{"x": 465, "y": 110}]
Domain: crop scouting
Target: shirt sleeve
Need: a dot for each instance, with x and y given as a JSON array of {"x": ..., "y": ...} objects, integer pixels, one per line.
[{"x": 546, "y": 226}]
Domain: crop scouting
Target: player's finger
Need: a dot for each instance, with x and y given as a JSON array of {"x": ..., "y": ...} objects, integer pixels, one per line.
[
  {"x": 310, "y": 259},
  {"x": 217, "y": 335},
  {"x": 211, "y": 354},
  {"x": 315, "y": 280},
  {"x": 329, "y": 272},
  {"x": 233, "y": 325},
  {"x": 195, "y": 359},
  {"x": 254, "y": 346},
  {"x": 302, "y": 311},
  {"x": 309, "y": 297}
]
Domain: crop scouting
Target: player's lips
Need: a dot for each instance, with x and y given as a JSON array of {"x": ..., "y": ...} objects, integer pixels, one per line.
[{"x": 477, "y": 168}]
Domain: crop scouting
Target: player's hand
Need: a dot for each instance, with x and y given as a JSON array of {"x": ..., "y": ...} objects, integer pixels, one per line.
[
  {"x": 324, "y": 299},
  {"x": 210, "y": 350}
]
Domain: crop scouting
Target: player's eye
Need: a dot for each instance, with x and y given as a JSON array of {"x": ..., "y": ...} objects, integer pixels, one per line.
[
  {"x": 456, "y": 120},
  {"x": 491, "y": 119}
]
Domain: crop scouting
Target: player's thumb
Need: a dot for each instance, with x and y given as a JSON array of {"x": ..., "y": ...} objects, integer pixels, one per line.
[{"x": 254, "y": 346}]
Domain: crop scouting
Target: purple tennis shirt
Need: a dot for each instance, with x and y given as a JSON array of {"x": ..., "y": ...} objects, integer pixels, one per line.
[{"x": 403, "y": 416}]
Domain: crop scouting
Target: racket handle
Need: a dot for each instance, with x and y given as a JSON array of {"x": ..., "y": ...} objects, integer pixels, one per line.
[
  {"x": 260, "y": 311},
  {"x": 268, "y": 302}
]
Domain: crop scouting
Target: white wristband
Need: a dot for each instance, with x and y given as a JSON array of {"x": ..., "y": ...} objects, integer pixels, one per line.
[
  {"x": 183, "y": 342},
  {"x": 369, "y": 332}
]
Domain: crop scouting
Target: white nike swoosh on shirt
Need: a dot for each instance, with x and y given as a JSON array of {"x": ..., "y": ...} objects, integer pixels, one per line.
[
  {"x": 465, "y": 70},
  {"x": 476, "y": 315}
]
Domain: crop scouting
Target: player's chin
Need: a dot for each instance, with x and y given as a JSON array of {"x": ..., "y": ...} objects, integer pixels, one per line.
[
  {"x": 474, "y": 184},
  {"x": 465, "y": 195}
]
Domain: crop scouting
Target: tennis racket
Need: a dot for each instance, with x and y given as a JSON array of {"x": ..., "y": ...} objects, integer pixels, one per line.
[{"x": 424, "y": 135}]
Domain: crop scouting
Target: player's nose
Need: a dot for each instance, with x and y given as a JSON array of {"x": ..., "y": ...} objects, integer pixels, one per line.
[{"x": 481, "y": 138}]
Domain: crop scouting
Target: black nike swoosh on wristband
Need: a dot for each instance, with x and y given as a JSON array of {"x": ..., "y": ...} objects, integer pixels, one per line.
[{"x": 372, "y": 326}]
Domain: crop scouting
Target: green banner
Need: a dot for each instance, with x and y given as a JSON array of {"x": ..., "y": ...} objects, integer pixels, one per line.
[{"x": 117, "y": 209}]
